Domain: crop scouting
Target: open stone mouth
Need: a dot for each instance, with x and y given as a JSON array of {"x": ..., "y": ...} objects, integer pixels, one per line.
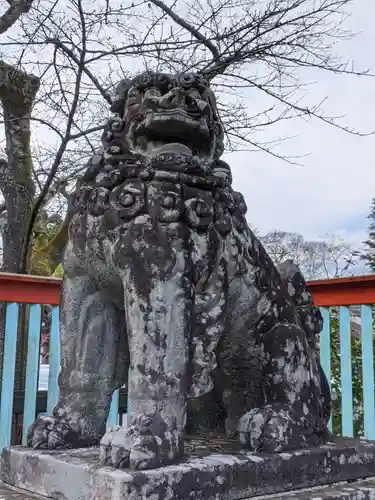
[{"x": 177, "y": 127}]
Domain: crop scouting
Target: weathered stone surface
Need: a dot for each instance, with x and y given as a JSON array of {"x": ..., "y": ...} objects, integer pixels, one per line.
[
  {"x": 10, "y": 493},
  {"x": 78, "y": 474},
  {"x": 168, "y": 291},
  {"x": 358, "y": 490}
]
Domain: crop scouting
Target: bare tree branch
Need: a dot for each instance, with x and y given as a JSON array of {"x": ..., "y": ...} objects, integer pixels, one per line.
[
  {"x": 13, "y": 13},
  {"x": 328, "y": 258},
  {"x": 191, "y": 29},
  {"x": 249, "y": 50},
  {"x": 63, "y": 145}
]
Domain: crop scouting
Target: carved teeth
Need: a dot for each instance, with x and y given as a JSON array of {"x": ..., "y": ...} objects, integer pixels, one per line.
[
  {"x": 178, "y": 159},
  {"x": 175, "y": 117}
]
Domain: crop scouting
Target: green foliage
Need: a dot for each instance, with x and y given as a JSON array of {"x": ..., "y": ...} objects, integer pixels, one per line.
[
  {"x": 58, "y": 272},
  {"x": 369, "y": 254},
  {"x": 41, "y": 261}
]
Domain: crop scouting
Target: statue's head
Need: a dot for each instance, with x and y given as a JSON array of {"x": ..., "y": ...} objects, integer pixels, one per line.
[{"x": 169, "y": 113}]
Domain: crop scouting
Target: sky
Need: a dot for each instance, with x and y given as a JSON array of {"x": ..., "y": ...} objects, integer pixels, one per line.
[{"x": 332, "y": 191}]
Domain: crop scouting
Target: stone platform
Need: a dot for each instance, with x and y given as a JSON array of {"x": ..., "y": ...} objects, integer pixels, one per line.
[
  {"x": 204, "y": 474},
  {"x": 359, "y": 490},
  {"x": 10, "y": 493}
]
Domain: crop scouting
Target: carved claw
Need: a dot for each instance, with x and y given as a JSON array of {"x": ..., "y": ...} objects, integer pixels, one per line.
[
  {"x": 273, "y": 429},
  {"x": 54, "y": 432},
  {"x": 115, "y": 447},
  {"x": 139, "y": 446},
  {"x": 38, "y": 433}
]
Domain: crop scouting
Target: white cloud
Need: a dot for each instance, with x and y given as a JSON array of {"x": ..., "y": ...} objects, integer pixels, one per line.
[{"x": 332, "y": 192}]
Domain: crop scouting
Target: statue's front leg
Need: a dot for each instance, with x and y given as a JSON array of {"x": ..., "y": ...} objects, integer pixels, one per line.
[
  {"x": 91, "y": 331},
  {"x": 158, "y": 303}
]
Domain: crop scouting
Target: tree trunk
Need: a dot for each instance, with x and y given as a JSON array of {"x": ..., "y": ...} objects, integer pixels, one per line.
[{"x": 17, "y": 93}]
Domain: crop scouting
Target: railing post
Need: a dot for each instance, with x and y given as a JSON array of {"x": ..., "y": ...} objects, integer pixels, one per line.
[
  {"x": 113, "y": 416},
  {"x": 54, "y": 362},
  {"x": 325, "y": 349},
  {"x": 32, "y": 369},
  {"x": 346, "y": 373},
  {"x": 7, "y": 382},
  {"x": 367, "y": 334}
]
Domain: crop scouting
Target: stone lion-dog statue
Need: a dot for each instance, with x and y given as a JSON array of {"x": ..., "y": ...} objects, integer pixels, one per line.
[{"x": 166, "y": 290}]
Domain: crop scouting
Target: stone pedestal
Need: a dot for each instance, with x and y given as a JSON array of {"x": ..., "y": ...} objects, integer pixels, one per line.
[{"x": 203, "y": 474}]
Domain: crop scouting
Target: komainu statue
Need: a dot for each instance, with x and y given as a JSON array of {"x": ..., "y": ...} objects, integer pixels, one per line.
[{"x": 167, "y": 291}]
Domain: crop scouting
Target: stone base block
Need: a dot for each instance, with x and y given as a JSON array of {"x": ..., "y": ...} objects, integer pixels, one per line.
[
  {"x": 358, "y": 490},
  {"x": 201, "y": 475},
  {"x": 10, "y": 493}
]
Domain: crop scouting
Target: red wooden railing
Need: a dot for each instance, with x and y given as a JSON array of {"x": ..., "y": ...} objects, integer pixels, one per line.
[
  {"x": 331, "y": 292},
  {"x": 356, "y": 290},
  {"x": 25, "y": 289}
]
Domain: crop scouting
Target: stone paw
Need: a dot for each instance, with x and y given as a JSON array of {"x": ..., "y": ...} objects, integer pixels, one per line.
[
  {"x": 273, "y": 429},
  {"x": 145, "y": 444},
  {"x": 55, "y": 432}
]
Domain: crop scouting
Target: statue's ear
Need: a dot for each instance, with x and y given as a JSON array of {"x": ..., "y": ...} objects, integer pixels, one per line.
[
  {"x": 213, "y": 103},
  {"x": 119, "y": 100}
]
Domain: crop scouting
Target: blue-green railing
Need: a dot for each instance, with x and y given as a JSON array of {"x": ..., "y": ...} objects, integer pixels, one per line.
[
  {"x": 32, "y": 369},
  {"x": 337, "y": 361}
]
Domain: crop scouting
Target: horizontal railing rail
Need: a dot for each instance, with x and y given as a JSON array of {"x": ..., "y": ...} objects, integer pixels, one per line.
[
  {"x": 345, "y": 346},
  {"x": 356, "y": 290},
  {"x": 25, "y": 289}
]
